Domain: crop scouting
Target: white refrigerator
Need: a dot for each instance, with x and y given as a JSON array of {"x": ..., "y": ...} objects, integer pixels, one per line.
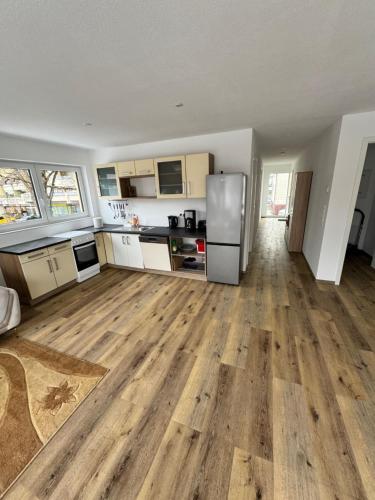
[{"x": 226, "y": 202}]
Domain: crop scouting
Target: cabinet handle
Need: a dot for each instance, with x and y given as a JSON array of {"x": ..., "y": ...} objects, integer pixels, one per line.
[
  {"x": 56, "y": 264},
  {"x": 188, "y": 187},
  {"x": 123, "y": 240},
  {"x": 127, "y": 240},
  {"x": 35, "y": 255},
  {"x": 183, "y": 187},
  {"x": 50, "y": 266}
]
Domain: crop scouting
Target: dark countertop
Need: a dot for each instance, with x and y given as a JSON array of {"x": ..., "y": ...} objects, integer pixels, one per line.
[
  {"x": 179, "y": 232},
  {"x": 30, "y": 246}
]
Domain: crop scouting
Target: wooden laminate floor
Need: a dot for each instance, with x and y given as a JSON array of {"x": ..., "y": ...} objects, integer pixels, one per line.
[{"x": 261, "y": 391}]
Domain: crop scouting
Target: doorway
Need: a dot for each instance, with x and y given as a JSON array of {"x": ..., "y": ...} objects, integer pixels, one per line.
[
  {"x": 361, "y": 241},
  {"x": 275, "y": 191}
]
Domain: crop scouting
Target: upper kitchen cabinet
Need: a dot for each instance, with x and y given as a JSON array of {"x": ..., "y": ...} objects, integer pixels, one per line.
[
  {"x": 144, "y": 167},
  {"x": 107, "y": 180},
  {"x": 198, "y": 166},
  {"x": 170, "y": 177},
  {"x": 126, "y": 168}
]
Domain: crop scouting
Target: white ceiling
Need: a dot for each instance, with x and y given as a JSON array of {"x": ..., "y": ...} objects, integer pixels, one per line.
[{"x": 288, "y": 68}]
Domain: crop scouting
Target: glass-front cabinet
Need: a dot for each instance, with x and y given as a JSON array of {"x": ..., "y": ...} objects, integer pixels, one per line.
[
  {"x": 170, "y": 177},
  {"x": 107, "y": 181}
]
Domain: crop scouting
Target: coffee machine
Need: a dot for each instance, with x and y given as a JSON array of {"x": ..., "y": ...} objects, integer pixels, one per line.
[{"x": 190, "y": 220}]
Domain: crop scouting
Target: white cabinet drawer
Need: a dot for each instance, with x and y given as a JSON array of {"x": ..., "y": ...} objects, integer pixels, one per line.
[
  {"x": 60, "y": 248},
  {"x": 37, "y": 254}
]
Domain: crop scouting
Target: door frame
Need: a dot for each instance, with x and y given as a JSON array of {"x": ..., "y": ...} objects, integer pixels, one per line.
[{"x": 357, "y": 180}]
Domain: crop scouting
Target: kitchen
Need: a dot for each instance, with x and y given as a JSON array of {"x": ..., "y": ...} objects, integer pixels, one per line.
[{"x": 42, "y": 267}]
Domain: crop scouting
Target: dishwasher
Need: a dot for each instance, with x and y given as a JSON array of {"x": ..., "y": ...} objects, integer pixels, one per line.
[{"x": 155, "y": 251}]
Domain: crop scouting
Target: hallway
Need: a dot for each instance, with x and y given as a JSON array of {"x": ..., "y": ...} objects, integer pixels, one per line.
[{"x": 262, "y": 391}]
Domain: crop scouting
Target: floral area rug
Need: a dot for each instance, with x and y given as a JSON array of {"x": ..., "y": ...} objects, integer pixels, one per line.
[{"x": 40, "y": 388}]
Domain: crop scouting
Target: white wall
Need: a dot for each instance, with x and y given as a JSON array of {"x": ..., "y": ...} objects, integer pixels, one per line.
[
  {"x": 255, "y": 185},
  {"x": 22, "y": 149},
  {"x": 357, "y": 131},
  {"x": 233, "y": 153},
  {"x": 365, "y": 202},
  {"x": 319, "y": 157}
]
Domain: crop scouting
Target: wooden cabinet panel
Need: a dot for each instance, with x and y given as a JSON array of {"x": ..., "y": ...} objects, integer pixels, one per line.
[
  {"x": 107, "y": 239},
  {"x": 198, "y": 166},
  {"x": 64, "y": 266},
  {"x": 144, "y": 167},
  {"x": 170, "y": 177},
  {"x": 120, "y": 253},
  {"x": 37, "y": 254},
  {"x": 100, "y": 249},
  {"x": 39, "y": 276},
  {"x": 134, "y": 251},
  {"x": 126, "y": 168}
]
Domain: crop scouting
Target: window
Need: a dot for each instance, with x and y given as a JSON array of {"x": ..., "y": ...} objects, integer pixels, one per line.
[
  {"x": 33, "y": 194},
  {"x": 61, "y": 187},
  {"x": 18, "y": 202}
]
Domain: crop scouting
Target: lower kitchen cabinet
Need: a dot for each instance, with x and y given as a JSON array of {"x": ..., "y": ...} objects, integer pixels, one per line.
[
  {"x": 135, "y": 257},
  {"x": 99, "y": 240},
  {"x": 39, "y": 276},
  {"x": 38, "y": 273},
  {"x": 127, "y": 250},
  {"x": 108, "y": 246},
  {"x": 64, "y": 267}
]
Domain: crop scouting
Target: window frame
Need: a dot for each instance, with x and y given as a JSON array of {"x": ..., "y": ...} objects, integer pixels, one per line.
[
  {"x": 81, "y": 188},
  {"x": 46, "y": 217}
]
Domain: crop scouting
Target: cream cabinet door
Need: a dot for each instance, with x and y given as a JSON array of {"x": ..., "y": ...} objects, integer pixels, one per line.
[
  {"x": 100, "y": 249},
  {"x": 134, "y": 251},
  {"x": 125, "y": 168},
  {"x": 120, "y": 250},
  {"x": 144, "y": 167},
  {"x": 39, "y": 276},
  {"x": 170, "y": 177},
  {"x": 64, "y": 266},
  {"x": 198, "y": 166},
  {"x": 107, "y": 238}
]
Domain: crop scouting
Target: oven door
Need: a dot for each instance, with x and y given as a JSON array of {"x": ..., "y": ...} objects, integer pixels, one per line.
[{"x": 86, "y": 255}]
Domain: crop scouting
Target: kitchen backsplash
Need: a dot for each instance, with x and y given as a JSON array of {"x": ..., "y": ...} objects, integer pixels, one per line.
[{"x": 155, "y": 212}]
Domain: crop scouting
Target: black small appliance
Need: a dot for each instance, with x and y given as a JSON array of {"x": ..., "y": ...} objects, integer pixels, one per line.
[
  {"x": 190, "y": 220},
  {"x": 172, "y": 221},
  {"x": 202, "y": 225}
]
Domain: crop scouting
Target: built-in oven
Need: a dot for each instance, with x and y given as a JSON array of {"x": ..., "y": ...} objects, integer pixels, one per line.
[
  {"x": 85, "y": 253},
  {"x": 87, "y": 261}
]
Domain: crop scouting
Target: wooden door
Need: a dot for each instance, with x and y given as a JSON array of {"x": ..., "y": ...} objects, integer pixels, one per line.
[
  {"x": 198, "y": 166},
  {"x": 64, "y": 266},
  {"x": 107, "y": 239},
  {"x": 100, "y": 249},
  {"x": 144, "y": 167},
  {"x": 134, "y": 251},
  {"x": 125, "y": 168},
  {"x": 120, "y": 249},
  {"x": 39, "y": 276},
  {"x": 170, "y": 177}
]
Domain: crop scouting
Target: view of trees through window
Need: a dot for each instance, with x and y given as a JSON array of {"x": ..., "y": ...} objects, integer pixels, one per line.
[
  {"x": 62, "y": 191},
  {"x": 19, "y": 194}
]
